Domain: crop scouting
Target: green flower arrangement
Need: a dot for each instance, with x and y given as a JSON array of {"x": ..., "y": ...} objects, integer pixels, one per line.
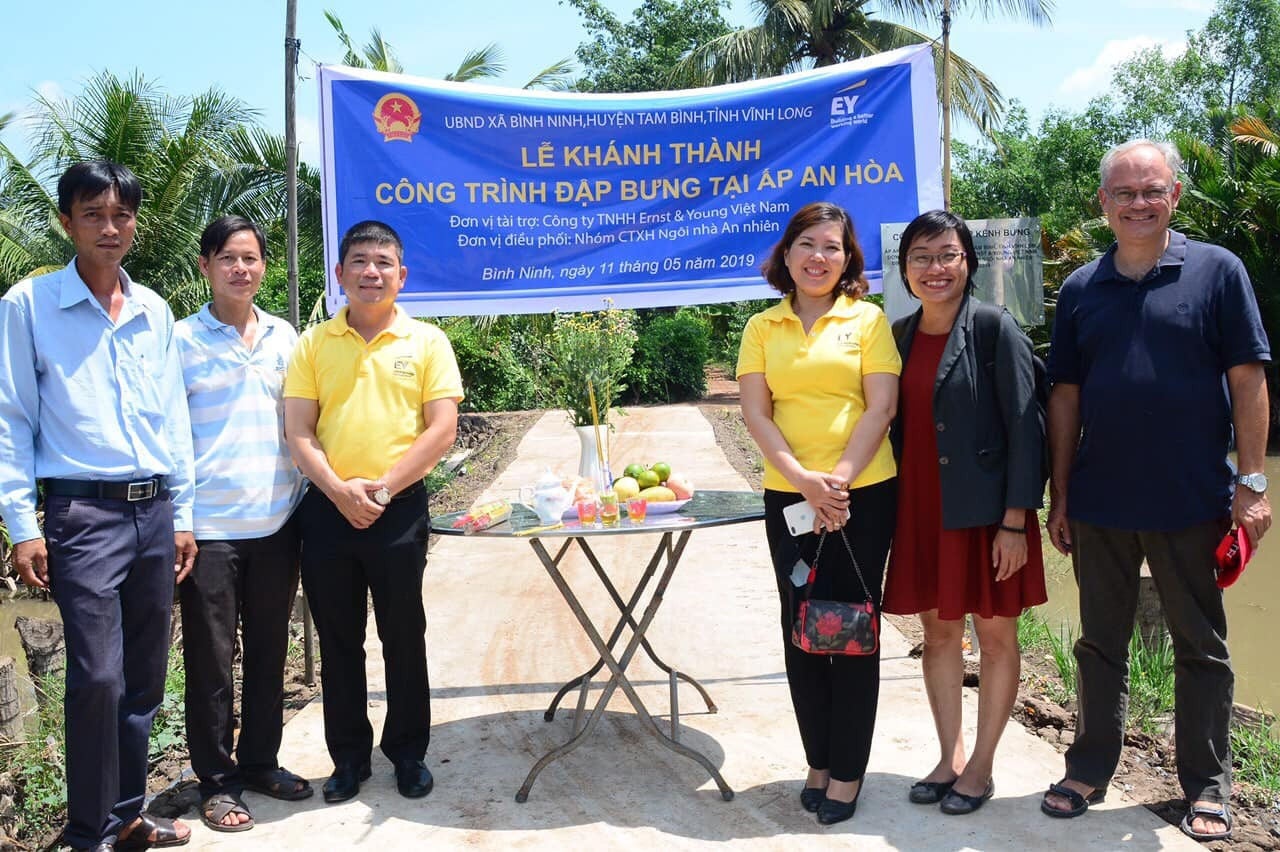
[{"x": 595, "y": 346}]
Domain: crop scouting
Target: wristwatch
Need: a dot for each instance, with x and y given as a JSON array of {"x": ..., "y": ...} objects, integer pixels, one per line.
[
  {"x": 383, "y": 497},
  {"x": 1255, "y": 482}
]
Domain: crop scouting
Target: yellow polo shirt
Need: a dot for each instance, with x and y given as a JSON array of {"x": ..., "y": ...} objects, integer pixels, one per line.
[
  {"x": 816, "y": 380},
  {"x": 371, "y": 394}
]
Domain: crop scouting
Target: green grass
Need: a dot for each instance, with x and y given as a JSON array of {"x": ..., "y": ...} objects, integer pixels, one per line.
[
  {"x": 38, "y": 770},
  {"x": 1256, "y": 757},
  {"x": 169, "y": 730},
  {"x": 1150, "y": 683}
]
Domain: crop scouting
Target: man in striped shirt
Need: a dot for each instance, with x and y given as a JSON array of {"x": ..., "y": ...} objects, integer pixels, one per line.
[{"x": 234, "y": 357}]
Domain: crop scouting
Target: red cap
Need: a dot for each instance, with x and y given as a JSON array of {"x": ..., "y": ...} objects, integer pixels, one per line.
[{"x": 1233, "y": 553}]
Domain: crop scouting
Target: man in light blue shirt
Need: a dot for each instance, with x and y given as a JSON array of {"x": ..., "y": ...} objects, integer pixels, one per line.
[
  {"x": 233, "y": 364},
  {"x": 92, "y": 406}
]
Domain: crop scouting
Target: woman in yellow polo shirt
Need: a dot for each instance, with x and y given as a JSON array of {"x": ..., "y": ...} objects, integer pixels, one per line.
[{"x": 818, "y": 375}]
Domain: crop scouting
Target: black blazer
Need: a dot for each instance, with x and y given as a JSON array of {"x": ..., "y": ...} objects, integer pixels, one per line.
[{"x": 989, "y": 441}]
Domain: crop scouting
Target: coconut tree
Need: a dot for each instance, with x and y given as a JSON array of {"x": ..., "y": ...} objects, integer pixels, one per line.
[
  {"x": 196, "y": 157},
  {"x": 792, "y": 35},
  {"x": 483, "y": 63}
]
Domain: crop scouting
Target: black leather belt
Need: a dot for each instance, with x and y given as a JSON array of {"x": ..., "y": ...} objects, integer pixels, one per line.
[
  {"x": 133, "y": 492},
  {"x": 410, "y": 491}
]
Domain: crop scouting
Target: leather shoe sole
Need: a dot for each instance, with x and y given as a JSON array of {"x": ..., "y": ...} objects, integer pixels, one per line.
[
  {"x": 344, "y": 783},
  {"x": 413, "y": 779}
]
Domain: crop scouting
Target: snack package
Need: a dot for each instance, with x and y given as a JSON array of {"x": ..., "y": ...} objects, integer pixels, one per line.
[{"x": 483, "y": 516}]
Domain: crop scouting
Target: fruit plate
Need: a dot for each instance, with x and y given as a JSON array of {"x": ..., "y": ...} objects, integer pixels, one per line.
[{"x": 665, "y": 507}]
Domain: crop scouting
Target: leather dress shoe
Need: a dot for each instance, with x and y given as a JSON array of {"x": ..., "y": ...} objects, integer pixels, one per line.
[
  {"x": 345, "y": 782},
  {"x": 413, "y": 779}
]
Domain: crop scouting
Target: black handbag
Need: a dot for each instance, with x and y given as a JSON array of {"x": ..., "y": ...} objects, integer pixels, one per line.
[{"x": 836, "y": 627}]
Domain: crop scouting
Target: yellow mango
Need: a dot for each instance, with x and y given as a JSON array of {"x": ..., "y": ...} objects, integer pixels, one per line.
[{"x": 658, "y": 494}]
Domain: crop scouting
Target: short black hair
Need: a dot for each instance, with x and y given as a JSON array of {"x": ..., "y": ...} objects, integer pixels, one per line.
[
  {"x": 370, "y": 231},
  {"x": 930, "y": 224},
  {"x": 91, "y": 179},
  {"x": 217, "y": 232}
]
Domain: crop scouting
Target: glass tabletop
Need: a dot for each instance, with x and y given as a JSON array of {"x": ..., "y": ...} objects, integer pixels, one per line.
[{"x": 705, "y": 509}]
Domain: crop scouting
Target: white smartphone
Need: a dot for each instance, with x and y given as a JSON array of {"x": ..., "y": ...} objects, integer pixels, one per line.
[{"x": 799, "y": 517}]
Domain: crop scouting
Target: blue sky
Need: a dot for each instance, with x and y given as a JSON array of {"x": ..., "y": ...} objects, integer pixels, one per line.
[{"x": 186, "y": 47}]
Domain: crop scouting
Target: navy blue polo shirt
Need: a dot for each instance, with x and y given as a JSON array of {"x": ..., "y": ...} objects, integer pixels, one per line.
[{"x": 1150, "y": 358}]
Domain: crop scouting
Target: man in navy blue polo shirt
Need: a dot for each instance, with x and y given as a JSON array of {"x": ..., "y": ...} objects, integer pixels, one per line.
[{"x": 1157, "y": 361}]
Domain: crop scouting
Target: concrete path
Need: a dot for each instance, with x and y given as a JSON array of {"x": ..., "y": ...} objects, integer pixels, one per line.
[{"x": 501, "y": 641}]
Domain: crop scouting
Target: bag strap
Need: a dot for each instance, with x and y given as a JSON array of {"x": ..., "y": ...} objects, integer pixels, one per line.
[{"x": 813, "y": 570}]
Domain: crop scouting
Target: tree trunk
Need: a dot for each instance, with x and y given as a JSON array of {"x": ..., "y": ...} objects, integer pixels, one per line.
[
  {"x": 10, "y": 706},
  {"x": 43, "y": 643}
]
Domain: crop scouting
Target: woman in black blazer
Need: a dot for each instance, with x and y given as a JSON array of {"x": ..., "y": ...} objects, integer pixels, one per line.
[{"x": 969, "y": 440}]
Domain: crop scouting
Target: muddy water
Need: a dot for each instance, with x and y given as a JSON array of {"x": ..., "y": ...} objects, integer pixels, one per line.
[
  {"x": 11, "y": 646},
  {"x": 1253, "y": 612}
]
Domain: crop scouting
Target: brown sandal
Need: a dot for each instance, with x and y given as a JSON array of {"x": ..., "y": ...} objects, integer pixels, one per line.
[
  {"x": 217, "y": 807},
  {"x": 152, "y": 832},
  {"x": 278, "y": 783}
]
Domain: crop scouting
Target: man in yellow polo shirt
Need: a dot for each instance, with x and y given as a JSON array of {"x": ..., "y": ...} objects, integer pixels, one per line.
[{"x": 371, "y": 404}]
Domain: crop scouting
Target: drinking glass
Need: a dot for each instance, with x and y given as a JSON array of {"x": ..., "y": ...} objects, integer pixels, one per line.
[
  {"x": 586, "y": 511},
  {"x": 609, "y": 509},
  {"x": 637, "y": 509}
]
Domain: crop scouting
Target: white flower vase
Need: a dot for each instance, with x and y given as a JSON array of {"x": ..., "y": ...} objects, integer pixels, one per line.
[{"x": 589, "y": 459}]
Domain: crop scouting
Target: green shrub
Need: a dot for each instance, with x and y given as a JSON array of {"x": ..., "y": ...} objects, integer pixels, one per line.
[
  {"x": 670, "y": 358},
  {"x": 494, "y": 366}
]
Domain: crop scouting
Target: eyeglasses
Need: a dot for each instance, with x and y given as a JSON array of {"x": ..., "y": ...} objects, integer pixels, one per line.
[
  {"x": 946, "y": 259},
  {"x": 1125, "y": 197}
]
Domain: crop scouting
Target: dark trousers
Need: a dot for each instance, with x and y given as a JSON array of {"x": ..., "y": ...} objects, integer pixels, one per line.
[
  {"x": 834, "y": 697},
  {"x": 341, "y": 566},
  {"x": 1106, "y": 563},
  {"x": 111, "y": 574},
  {"x": 248, "y": 584}
]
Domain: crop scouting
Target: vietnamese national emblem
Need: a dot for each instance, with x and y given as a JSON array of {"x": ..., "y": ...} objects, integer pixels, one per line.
[{"x": 397, "y": 117}]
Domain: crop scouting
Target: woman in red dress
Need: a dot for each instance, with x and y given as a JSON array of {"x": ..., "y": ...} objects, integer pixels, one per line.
[{"x": 967, "y": 541}]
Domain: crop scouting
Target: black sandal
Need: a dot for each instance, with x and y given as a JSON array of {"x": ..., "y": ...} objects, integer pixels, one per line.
[
  {"x": 1079, "y": 803},
  {"x": 278, "y": 783},
  {"x": 1222, "y": 812}
]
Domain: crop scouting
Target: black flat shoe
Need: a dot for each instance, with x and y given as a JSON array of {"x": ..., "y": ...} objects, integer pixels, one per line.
[
  {"x": 413, "y": 779},
  {"x": 929, "y": 792},
  {"x": 344, "y": 783},
  {"x": 811, "y": 798},
  {"x": 958, "y": 804},
  {"x": 831, "y": 811}
]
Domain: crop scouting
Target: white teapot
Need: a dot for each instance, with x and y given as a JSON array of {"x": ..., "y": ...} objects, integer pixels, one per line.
[{"x": 549, "y": 498}]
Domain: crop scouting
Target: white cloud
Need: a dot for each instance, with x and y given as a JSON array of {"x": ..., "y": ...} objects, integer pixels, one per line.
[{"x": 1090, "y": 80}]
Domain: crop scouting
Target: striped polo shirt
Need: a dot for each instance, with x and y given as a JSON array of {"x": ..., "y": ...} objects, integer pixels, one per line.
[{"x": 246, "y": 483}]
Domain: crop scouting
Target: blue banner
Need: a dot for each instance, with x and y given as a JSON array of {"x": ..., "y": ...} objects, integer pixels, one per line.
[{"x": 528, "y": 202}]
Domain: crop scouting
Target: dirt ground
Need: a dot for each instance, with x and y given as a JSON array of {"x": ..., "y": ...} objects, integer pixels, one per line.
[{"x": 1146, "y": 771}]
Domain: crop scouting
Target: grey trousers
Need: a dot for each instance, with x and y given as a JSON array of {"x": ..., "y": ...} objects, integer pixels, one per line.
[{"x": 1106, "y": 563}]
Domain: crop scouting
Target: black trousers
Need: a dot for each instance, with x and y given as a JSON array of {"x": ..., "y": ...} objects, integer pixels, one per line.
[
  {"x": 1106, "y": 563},
  {"x": 248, "y": 584},
  {"x": 834, "y": 697},
  {"x": 341, "y": 566},
  {"x": 111, "y": 574}
]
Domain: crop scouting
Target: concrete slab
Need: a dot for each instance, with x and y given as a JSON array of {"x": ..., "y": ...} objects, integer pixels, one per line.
[{"x": 501, "y": 641}]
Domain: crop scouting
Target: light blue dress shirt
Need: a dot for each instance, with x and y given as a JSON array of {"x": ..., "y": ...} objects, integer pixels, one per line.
[{"x": 82, "y": 397}]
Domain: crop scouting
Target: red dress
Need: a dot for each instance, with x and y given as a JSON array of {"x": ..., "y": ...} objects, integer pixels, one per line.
[{"x": 935, "y": 568}]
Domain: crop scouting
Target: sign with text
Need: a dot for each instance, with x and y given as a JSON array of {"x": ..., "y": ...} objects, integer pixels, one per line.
[
  {"x": 1010, "y": 268},
  {"x": 528, "y": 202}
]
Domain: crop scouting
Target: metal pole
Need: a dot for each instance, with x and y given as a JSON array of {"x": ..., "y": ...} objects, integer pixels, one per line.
[
  {"x": 946, "y": 104},
  {"x": 291, "y": 47}
]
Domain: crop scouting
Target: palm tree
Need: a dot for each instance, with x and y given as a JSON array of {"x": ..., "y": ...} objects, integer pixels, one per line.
[
  {"x": 792, "y": 35},
  {"x": 196, "y": 158},
  {"x": 484, "y": 63}
]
